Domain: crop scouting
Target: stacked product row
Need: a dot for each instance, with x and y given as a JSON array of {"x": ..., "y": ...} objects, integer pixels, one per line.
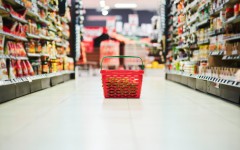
[
  {"x": 34, "y": 39},
  {"x": 204, "y": 38}
]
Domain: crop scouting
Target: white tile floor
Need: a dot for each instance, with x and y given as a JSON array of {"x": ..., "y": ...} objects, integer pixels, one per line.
[{"x": 75, "y": 116}]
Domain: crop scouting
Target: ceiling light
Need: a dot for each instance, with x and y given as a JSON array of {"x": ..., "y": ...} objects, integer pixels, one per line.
[
  {"x": 125, "y": 5},
  {"x": 102, "y": 3},
  {"x": 105, "y": 12}
]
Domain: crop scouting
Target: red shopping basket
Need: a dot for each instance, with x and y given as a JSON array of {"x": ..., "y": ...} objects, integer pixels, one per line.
[{"x": 122, "y": 83}]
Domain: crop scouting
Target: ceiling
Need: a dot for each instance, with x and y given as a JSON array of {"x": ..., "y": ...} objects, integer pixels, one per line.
[{"x": 142, "y": 4}]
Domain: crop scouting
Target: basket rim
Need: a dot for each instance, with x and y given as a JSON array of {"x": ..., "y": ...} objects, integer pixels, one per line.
[{"x": 122, "y": 71}]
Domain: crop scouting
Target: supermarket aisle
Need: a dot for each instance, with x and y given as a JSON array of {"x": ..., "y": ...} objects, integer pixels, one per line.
[{"x": 74, "y": 116}]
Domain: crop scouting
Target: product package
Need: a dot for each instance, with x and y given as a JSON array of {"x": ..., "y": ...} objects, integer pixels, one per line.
[
  {"x": 2, "y": 39},
  {"x": 3, "y": 70},
  {"x": 1, "y": 23},
  {"x": 12, "y": 69}
]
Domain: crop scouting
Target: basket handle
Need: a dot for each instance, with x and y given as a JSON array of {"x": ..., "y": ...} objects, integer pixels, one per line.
[{"x": 121, "y": 56}]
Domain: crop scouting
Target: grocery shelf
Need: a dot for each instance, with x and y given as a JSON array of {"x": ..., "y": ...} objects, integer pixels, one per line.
[
  {"x": 16, "y": 3},
  {"x": 45, "y": 22},
  {"x": 32, "y": 14},
  {"x": 205, "y": 42},
  {"x": 13, "y": 57},
  {"x": 3, "y": 11},
  {"x": 32, "y": 36},
  {"x": 183, "y": 46},
  {"x": 59, "y": 28},
  {"x": 233, "y": 38},
  {"x": 12, "y": 36},
  {"x": 194, "y": 46},
  {"x": 41, "y": 5},
  {"x": 60, "y": 44},
  {"x": 194, "y": 5},
  {"x": 203, "y": 23},
  {"x": 203, "y": 59},
  {"x": 26, "y": 85},
  {"x": 64, "y": 20},
  {"x": 46, "y": 55},
  {"x": 227, "y": 2},
  {"x": 52, "y": 8},
  {"x": 18, "y": 57},
  {"x": 51, "y": 19},
  {"x": 208, "y": 78},
  {"x": 193, "y": 20},
  {"x": 216, "y": 53},
  {"x": 35, "y": 77},
  {"x": 234, "y": 19},
  {"x": 15, "y": 18},
  {"x": 232, "y": 57},
  {"x": 43, "y": 37},
  {"x": 65, "y": 36},
  {"x": 217, "y": 32},
  {"x": 181, "y": 24},
  {"x": 52, "y": 29},
  {"x": 203, "y": 6},
  {"x": 33, "y": 55},
  {"x": 217, "y": 11},
  {"x": 61, "y": 56},
  {"x": 4, "y": 56}
]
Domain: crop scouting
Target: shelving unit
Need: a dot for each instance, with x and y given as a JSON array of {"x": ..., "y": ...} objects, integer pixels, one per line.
[
  {"x": 206, "y": 44},
  {"x": 39, "y": 35}
]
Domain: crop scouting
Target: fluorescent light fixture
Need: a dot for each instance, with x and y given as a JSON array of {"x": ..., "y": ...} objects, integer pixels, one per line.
[
  {"x": 105, "y": 12},
  {"x": 102, "y": 3},
  {"x": 125, "y": 5}
]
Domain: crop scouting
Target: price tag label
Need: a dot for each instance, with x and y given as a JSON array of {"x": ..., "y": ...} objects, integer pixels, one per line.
[
  {"x": 29, "y": 79},
  {"x": 224, "y": 57},
  {"x": 215, "y": 53}
]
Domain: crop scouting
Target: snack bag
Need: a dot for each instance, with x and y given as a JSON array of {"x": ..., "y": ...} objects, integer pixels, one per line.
[
  {"x": 12, "y": 70},
  {"x": 24, "y": 68},
  {"x": 2, "y": 39},
  {"x": 3, "y": 70},
  {"x": 29, "y": 68},
  {"x": 19, "y": 68}
]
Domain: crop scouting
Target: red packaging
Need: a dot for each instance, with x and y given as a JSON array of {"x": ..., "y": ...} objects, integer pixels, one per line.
[
  {"x": 12, "y": 69},
  {"x": 236, "y": 9},
  {"x": 19, "y": 68},
  {"x": 229, "y": 12},
  {"x": 24, "y": 68},
  {"x": 29, "y": 68}
]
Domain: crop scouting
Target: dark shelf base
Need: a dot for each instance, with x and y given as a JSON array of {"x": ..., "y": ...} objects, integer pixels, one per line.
[
  {"x": 15, "y": 90},
  {"x": 201, "y": 85},
  {"x": 230, "y": 93},
  {"x": 22, "y": 89},
  {"x": 36, "y": 85},
  {"x": 57, "y": 80},
  {"x": 227, "y": 92},
  {"x": 7, "y": 92}
]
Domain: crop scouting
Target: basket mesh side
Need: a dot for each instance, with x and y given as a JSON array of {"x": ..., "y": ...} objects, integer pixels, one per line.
[{"x": 122, "y": 86}]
